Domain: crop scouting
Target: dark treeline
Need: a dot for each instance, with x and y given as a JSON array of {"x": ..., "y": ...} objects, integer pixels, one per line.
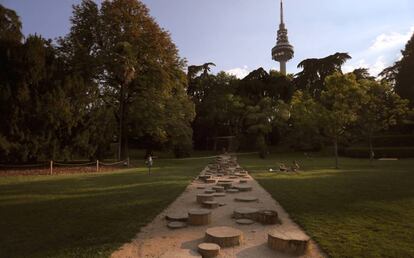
[{"x": 116, "y": 82}]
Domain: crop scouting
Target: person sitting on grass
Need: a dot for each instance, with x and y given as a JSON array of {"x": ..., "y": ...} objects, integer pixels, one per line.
[
  {"x": 283, "y": 168},
  {"x": 295, "y": 166}
]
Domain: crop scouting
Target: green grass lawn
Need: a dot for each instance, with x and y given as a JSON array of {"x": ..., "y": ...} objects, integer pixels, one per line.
[
  {"x": 357, "y": 211},
  {"x": 86, "y": 215}
]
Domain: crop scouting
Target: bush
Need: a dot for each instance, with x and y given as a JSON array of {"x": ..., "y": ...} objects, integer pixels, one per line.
[
  {"x": 393, "y": 140},
  {"x": 390, "y": 152}
]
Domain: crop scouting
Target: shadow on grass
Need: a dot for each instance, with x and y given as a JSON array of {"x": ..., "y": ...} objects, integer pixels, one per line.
[{"x": 84, "y": 215}]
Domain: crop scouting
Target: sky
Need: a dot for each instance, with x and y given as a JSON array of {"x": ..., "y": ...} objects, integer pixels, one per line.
[{"x": 238, "y": 35}]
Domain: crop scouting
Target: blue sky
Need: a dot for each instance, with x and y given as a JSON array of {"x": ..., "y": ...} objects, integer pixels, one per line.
[{"x": 238, "y": 35}]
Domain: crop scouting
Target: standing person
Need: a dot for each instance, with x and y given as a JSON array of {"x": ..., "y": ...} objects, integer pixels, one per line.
[{"x": 149, "y": 163}]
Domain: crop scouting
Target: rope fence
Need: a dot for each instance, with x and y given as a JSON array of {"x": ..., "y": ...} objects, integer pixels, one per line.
[{"x": 51, "y": 165}]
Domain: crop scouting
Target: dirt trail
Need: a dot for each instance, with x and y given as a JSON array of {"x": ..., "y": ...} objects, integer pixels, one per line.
[{"x": 156, "y": 240}]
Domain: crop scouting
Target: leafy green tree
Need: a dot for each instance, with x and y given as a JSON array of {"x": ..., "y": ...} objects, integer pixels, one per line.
[
  {"x": 380, "y": 108},
  {"x": 405, "y": 77},
  {"x": 341, "y": 101},
  {"x": 316, "y": 70}
]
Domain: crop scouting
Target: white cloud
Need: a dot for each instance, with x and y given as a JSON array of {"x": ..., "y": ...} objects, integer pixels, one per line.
[
  {"x": 383, "y": 52},
  {"x": 239, "y": 72},
  {"x": 391, "y": 40}
]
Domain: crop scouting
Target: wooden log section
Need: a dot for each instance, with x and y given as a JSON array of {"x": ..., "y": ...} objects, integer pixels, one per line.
[
  {"x": 176, "y": 225},
  {"x": 226, "y": 185},
  {"x": 246, "y": 199},
  {"x": 211, "y": 181},
  {"x": 243, "y": 181},
  {"x": 208, "y": 250},
  {"x": 177, "y": 217},
  {"x": 209, "y": 191},
  {"x": 232, "y": 191},
  {"x": 224, "y": 236},
  {"x": 218, "y": 189},
  {"x": 199, "y": 217},
  {"x": 204, "y": 197},
  {"x": 210, "y": 204},
  {"x": 289, "y": 242},
  {"x": 245, "y": 213},
  {"x": 244, "y": 188},
  {"x": 268, "y": 217}
]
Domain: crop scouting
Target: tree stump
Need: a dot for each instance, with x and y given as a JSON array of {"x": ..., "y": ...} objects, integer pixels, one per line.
[
  {"x": 226, "y": 185},
  {"x": 268, "y": 217},
  {"x": 246, "y": 199},
  {"x": 245, "y": 213},
  {"x": 233, "y": 191},
  {"x": 289, "y": 242},
  {"x": 243, "y": 181},
  {"x": 177, "y": 217},
  {"x": 209, "y": 191},
  {"x": 209, "y": 250},
  {"x": 211, "y": 181},
  {"x": 204, "y": 197},
  {"x": 244, "y": 188},
  {"x": 219, "y": 195},
  {"x": 245, "y": 221},
  {"x": 218, "y": 189},
  {"x": 224, "y": 236},
  {"x": 176, "y": 225},
  {"x": 198, "y": 217},
  {"x": 210, "y": 204}
]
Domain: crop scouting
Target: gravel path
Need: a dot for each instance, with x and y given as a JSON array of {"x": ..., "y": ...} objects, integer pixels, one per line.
[{"x": 156, "y": 240}]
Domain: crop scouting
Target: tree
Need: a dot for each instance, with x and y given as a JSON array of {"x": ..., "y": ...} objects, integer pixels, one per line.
[
  {"x": 380, "y": 108},
  {"x": 405, "y": 77},
  {"x": 341, "y": 102},
  {"x": 10, "y": 25},
  {"x": 315, "y": 71}
]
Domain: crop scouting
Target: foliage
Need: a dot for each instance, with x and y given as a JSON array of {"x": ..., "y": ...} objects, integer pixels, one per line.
[
  {"x": 405, "y": 78},
  {"x": 341, "y": 101}
]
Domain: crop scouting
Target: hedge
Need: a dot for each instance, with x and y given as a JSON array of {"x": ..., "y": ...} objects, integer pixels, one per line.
[{"x": 391, "y": 152}]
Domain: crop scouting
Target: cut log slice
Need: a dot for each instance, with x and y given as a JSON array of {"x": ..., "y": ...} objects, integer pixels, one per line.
[
  {"x": 211, "y": 181},
  {"x": 246, "y": 199},
  {"x": 176, "y": 225},
  {"x": 268, "y": 217},
  {"x": 204, "y": 197},
  {"x": 245, "y": 213},
  {"x": 209, "y": 250},
  {"x": 218, "y": 189},
  {"x": 201, "y": 187},
  {"x": 245, "y": 221},
  {"x": 243, "y": 181},
  {"x": 288, "y": 242},
  {"x": 198, "y": 217},
  {"x": 219, "y": 195},
  {"x": 209, "y": 191},
  {"x": 224, "y": 236},
  {"x": 177, "y": 217},
  {"x": 244, "y": 188},
  {"x": 233, "y": 177},
  {"x": 211, "y": 204},
  {"x": 226, "y": 185},
  {"x": 225, "y": 181},
  {"x": 233, "y": 191}
]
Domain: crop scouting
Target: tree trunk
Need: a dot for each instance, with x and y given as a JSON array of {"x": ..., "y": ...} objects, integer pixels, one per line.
[
  {"x": 122, "y": 137},
  {"x": 336, "y": 152}
]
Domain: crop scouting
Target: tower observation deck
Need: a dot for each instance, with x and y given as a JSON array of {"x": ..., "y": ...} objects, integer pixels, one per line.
[{"x": 283, "y": 51}]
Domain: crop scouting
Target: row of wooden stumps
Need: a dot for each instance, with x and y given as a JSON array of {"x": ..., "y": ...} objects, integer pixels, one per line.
[{"x": 223, "y": 174}]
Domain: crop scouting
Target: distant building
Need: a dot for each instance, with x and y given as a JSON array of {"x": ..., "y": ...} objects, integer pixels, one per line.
[{"x": 283, "y": 51}]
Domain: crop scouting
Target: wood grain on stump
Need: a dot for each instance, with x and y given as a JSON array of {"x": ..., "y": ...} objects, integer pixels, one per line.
[
  {"x": 245, "y": 213},
  {"x": 209, "y": 250},
  {"x": 246, "y": 199},
  {"x": 204, "y": 197},
  {"x": 198, "y": 217},
  {"x": 224, "y": 236},
  {"x": 289, "y": 242}
]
